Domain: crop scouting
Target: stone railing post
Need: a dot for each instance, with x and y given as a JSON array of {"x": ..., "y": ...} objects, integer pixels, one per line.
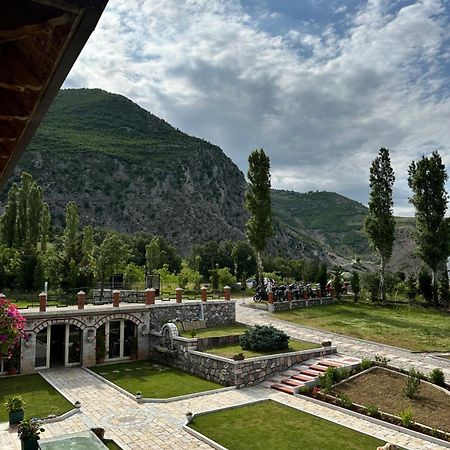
[
  {"x": 226, "y": 292},
  {"x": 81, "y": 299},
  {"x": 204, "y": 291},
  {"x": 318, "y": 293},
  {"x": 42, "y": 302},
  {"x": 116, "y": 298},
  {"x": 179, "y": 294},
  {"x": 289, "y": 295},
  {"x": 270, "y": 297},
  {"x": 150, "y": 296}
]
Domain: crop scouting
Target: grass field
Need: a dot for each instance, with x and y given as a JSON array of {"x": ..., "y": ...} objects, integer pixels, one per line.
[
  {"x": 227, "y": 330},
  {"x": 271, "y": 426},
  {"x": 40, "y": 398},
  {"x": 229, "y": 350},
  {"x": 411, "y": 327},
  {"x": 153, "y": 380}
]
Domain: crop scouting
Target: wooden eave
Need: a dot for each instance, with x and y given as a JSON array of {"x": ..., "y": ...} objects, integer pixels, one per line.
[{"x": 40, "y": 41}]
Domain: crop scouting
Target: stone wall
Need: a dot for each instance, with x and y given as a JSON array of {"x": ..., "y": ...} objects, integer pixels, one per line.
[
  {"x": 214, "y": 313},
  {"x": 295, "y": 304},
  {"x": 225, "y": 371}
]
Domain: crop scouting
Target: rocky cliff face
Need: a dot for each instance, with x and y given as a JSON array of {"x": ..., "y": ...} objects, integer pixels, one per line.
[{"x": 130, "y": 171}]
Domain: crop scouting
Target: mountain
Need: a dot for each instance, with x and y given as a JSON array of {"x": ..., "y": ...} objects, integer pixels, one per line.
[{"x": 130, "y": 171}]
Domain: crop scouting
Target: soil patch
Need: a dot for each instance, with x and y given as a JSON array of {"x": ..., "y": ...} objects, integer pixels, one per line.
[{"x": 384, "y": 388}]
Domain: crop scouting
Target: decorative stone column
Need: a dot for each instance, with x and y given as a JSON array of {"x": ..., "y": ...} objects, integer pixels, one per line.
[
  {"x": 204, "y": 291},
  {"x": 318, "y": 293},
  {"x": 116, "y": 298},
  {"x": 270, "y": 297},
  {"x": 81, "y": 299},
  {"x": 42, "y": 302},
  {"x": 179, "y": 294},
  {"x": 226, "y": 292},
  {"x": 289, "y": 295},
  {"x": 150, "y": 296}
]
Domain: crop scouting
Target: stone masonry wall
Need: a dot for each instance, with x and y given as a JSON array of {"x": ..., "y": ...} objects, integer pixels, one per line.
[
  {"x": 215, "y": 313},
  {"x": 295, "y": 304},
  {"x": 228, "y": 372}
]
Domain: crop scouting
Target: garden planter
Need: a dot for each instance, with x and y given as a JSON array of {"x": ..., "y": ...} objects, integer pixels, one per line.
[
  {"x": 16, "y": 417},
  {"x": 189, "y": 417},
  {"x": 29, "y": 445}
]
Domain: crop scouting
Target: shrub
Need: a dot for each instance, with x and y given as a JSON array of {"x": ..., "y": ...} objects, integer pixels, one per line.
[
  {"x": 412, "y": 386},
  {"x": 373, "y": 410},
  {"x": 437, "y": 377},
  {"x": 407, "y": 417},
  {"x": 263, "y": 338},
  {"x": 345, "y": 401},
  {"x": 381, "y": 360},
  {"x": 366, "y": 363},
  {"x": 329, "y": 378}
]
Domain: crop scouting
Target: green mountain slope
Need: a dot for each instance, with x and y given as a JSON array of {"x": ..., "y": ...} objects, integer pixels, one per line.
[
  {"x": 131, "y": 171},
  {"x": 331, "y": 219}
]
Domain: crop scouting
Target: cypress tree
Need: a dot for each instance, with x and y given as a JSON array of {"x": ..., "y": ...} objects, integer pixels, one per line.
[
  {"x": 380, "y": 223},
  {"x": 427, "y": 179},
  {"x": 257, "y": 201},
  {"x": 8, "y": 220}
]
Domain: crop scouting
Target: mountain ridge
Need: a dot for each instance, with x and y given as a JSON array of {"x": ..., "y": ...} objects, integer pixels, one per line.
[{"x": 132, "y": 171}]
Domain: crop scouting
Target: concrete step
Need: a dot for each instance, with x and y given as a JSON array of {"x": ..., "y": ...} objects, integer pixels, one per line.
[
  {"x": 319, "y": 368},
  {"x": 331, "y": 363},
  {"x": 304, "y": 378},
  {"x": 291, "y": 382},
  {"x": 313, "y": 373},
  {"x": 283, "y": 388}
]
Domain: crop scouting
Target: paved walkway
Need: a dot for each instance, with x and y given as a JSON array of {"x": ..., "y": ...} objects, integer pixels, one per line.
[
  {"x": 350, "y": 346},
  {"x": 159, "y": 425}
]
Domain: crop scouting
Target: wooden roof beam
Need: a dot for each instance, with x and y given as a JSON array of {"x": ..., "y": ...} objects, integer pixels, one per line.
[
  {"x": 16, "y": 77},
  {"x": 13, "y": 107},
  {"x": 27, "y": 30}
]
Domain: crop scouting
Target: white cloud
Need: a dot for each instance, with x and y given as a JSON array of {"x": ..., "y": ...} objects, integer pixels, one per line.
[{"x": 320, "y": 105}]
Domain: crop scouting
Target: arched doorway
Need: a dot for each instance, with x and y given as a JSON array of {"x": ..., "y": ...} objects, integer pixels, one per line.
[
  {"x": 58, "y": 345},
  {"x": 116, "y": 339}
]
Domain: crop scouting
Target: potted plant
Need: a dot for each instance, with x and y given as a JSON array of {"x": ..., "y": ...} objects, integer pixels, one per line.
[
  {"x": 14, "y": 405},
  {"x": 239, "y": 357},
  {"x": 29, "y": 431},
  {"x": 189, "y": 416},
  {"x": 138, "y": 395}
]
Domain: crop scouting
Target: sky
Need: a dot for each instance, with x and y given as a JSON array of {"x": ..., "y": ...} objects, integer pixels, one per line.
[{"x": 320, "y": 85}]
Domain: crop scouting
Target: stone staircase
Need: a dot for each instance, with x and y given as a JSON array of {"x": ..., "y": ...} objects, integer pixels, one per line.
[{"x": 308, "y": 373}]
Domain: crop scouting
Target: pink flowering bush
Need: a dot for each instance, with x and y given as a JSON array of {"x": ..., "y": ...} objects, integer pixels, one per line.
[{"x": 11, "y": 327}]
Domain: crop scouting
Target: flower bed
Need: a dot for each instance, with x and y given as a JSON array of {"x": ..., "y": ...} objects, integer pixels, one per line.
[
  {"x": 381, "y": 393},
  {"x": 11, "y": 328}
]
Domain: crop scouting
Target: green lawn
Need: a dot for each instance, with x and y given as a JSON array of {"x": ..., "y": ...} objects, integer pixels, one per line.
[
  {"x": 271, "y": 426},
  {"x": 40, "y": 398},
  {"x": 226, "y": 330},
  {"x": 412, "y": 327},
  {"x": 154, "y": 380},
  {"x": 229, "y": 350}
]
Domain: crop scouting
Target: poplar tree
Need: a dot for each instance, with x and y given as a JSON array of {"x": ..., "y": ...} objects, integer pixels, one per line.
[
  {"x": 257, "y": 201},
  {"x": 427, "y": 179},
  {"x": 45, "y": 227},
  {"x": 380, "y": 223},
  {"x": 8, "y": 220}
]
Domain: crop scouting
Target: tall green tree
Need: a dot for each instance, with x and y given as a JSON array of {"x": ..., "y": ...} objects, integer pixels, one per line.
[
  {"x": 257, "y": 201},
  {"x": 380, "y": 223},
  {"x": 9, "y": 218},
  {"x": 427, "y": 179},
  {"x": 111, "y": 255},
  {"x": 45, "y": 227}
]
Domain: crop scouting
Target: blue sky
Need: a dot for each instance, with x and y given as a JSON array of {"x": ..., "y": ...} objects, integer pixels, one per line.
[{"x": 321, "y": 85}]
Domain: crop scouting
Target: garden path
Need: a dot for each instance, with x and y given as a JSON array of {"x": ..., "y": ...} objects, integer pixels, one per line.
[
  {"x": 398, "y": 357},
  {"x": 160, "y": 425}
]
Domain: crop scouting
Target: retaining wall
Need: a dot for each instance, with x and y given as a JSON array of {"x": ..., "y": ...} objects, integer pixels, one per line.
[
  {"x": 295, "y": 304},
  {"x": 248, "y": 372}
]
